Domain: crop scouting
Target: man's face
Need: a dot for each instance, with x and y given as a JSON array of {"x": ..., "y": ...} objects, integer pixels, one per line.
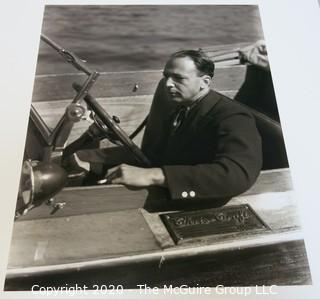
[{"x": 183, "y": 82}]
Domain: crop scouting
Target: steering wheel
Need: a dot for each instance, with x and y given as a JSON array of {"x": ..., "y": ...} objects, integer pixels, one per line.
[{"x": 109, "y": 128}]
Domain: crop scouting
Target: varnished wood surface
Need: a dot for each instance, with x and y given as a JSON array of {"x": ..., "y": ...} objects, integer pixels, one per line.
[
  {"x": 217, "y": 49},
  {"x": 99, "y": 199},
  {"x": 89, "y": 200},
  {"x": 282, "y": 264},
  {"x": 130, "y": 110},
  {"x": 114, "y": 91},
  {"x": 92, "y": 243},
  {"x": 278, "y": 212},
  {"x": 121, "y": 84},
  {"x": 277, "y": 180},
  {"x": 126, "y": 229},
  {"x": 79, "y": 238}
]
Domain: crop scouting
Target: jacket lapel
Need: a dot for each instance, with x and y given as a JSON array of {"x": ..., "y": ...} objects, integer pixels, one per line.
[{"x": 189, "y": 128}]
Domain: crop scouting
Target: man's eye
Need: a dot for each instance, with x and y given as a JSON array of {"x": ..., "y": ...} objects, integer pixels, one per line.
[{"x": 177, "y": 78}]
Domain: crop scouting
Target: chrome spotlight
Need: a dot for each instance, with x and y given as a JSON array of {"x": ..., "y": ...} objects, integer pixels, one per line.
[{"x": 39, "y": 182}]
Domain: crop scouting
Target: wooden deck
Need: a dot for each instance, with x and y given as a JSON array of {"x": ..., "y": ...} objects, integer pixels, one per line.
[
  {"x": 115, "y": 93},
  {"x": 119, "y": 233}
]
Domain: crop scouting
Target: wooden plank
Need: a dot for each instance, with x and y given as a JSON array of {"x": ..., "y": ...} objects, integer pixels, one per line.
[
  {"x": 130, "y": 110},
  {"x": 108, "y": 198},
  {"x": 226, "y": 47},
  {"x": 79, "y": 238},
  {"x": 159, "y": 230},
  {"x": 281, "y": 264},
  {"x": 104, "y": 236},
  {"x": 90, "y": 200},
  {"x": 276, "y": 180},
  {"x": 58, "y": 87},
  {"x": 282, "y": 231},
  {"x": 160, "y": 257},
  {"x": 277, "y": 210},
  {"x": 281, "y": 212},
  {"x": 39, "y": 238}
]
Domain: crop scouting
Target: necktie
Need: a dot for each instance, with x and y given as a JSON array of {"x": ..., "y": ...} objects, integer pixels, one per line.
[
  {"x": 182, "y": 112},
  {"x": 180, "y": 116}
]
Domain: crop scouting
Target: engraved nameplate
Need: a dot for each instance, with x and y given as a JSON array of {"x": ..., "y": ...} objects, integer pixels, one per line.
[{"x": 184, "y": 226}]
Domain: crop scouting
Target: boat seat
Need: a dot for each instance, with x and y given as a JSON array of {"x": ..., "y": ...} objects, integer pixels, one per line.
[{"x": 273, "y": 147}]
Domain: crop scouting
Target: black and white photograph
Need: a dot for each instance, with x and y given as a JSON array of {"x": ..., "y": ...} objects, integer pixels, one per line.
[{"x": 154, "y": 155}]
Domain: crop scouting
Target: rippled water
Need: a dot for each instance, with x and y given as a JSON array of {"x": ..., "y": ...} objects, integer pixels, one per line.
[{"x": 122, "y": 38}]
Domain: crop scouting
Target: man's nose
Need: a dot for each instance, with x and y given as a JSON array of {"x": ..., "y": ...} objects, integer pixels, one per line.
[{"x": 169, "y": 82}]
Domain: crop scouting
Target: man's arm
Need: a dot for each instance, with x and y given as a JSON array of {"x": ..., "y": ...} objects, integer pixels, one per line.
[{"x": 233, "y": 170}]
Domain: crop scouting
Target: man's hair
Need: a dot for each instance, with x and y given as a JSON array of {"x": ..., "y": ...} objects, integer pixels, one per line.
[{"x": 202, "y": 62}]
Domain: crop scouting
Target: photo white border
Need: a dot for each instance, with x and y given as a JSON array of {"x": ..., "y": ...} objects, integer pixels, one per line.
[{"x": 291, "y": 29}]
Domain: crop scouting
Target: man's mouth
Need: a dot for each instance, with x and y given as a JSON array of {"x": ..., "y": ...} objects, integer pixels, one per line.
[{"x": 173, "y": 93}]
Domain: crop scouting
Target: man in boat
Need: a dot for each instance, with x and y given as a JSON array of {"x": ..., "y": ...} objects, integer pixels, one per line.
[{"x": 201, "y": 144}]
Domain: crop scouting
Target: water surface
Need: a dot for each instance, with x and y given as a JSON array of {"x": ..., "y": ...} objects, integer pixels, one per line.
[{"x": 140, "y": 37}]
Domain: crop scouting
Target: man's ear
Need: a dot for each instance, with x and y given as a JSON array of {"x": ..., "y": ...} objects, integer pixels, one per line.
[{"x": 206, "y": 81}]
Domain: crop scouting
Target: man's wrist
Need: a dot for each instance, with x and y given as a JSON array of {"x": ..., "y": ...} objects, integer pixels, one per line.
[{"x": 157, "y": 177}]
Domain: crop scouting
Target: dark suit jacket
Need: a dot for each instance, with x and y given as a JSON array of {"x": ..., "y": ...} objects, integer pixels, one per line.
[{"x": 215, "y": 154}]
